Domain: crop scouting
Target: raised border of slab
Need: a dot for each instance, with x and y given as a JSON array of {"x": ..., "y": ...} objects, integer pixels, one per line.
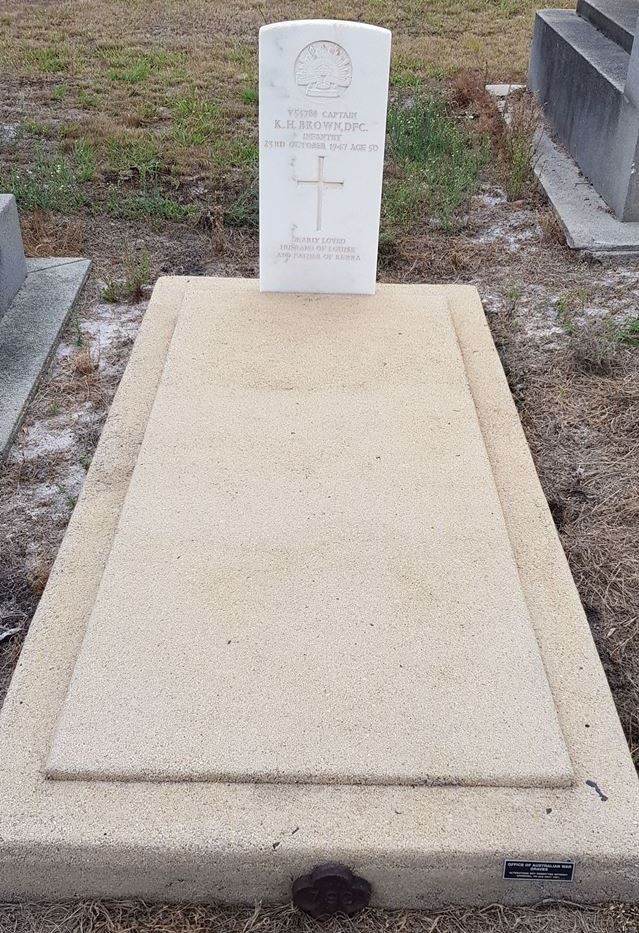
[
  {"x": 585, "y": 217},
  {"x": 419, "y": 847},
  {"x": 29, "y": 331}
]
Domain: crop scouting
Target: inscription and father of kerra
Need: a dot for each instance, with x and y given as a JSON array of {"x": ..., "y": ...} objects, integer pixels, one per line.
[{"x": 323, "y": 97}]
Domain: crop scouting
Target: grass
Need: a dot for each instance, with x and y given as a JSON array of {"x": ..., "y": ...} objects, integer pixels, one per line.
[
  {"x": 244, "y": 211},
  {"x": 137, "y": 154},
  {"x": 193, "y": 90},
  {"x": 195, "y": 121},
  {"x": 48, "y": 60},
  {"x": 437, "y": 162},
  {"x": 628, "y": 332},
  {"x": 131, "y": 73},
  {"x": 133, "y": 66},
  {"x": 517, "y": 143},
  {"x": 564, "y": 310},
  {"x": 88, "y": 99},
  {"x": 84, "y": 159},
  {"x": 597, "y": 345},
  {"x": 145, "y": 204},
  {"x": 153, "y": 92},
  {"x": 131, "y": 916},
  {"x": 138, "y": 275},
  {"x": 60, "y": 91},
  {"x": 51, "y": 185}
]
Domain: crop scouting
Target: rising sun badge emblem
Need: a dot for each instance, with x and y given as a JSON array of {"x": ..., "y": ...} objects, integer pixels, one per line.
[{"x": 324, "y": 69}]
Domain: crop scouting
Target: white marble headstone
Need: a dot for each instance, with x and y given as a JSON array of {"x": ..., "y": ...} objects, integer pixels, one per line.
[{"x": 323, "y": 98}]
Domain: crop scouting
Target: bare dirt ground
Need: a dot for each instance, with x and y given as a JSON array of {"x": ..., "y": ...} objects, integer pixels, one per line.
[{"x": 122, "y": 120}]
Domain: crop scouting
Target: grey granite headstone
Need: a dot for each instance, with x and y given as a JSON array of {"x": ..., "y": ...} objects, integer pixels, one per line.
[
  {"x": 584, "y": 68},
  {"x": 13, "y": 267}
]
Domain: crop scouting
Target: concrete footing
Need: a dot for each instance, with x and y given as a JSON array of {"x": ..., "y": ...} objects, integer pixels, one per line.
[
  {"x": 29, "y": 330},
  {"x": 587, "y": 221},
  {"x": 153, "y": 811}
]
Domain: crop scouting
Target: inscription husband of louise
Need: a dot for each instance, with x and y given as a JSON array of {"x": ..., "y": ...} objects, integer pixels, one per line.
[{"x": 322, "y": 126}]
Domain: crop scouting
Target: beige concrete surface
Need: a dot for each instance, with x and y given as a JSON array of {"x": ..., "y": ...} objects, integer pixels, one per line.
[
  {"x": 241, "y": 842},
  {"x": 311, "y": 573}
]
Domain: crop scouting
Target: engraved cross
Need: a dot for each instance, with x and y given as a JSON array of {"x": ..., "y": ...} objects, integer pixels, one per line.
[{"x": 321, "y": 183}]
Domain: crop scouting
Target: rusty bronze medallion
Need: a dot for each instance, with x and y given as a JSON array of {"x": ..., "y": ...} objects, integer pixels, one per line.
[{"x": 330, "y": 889}]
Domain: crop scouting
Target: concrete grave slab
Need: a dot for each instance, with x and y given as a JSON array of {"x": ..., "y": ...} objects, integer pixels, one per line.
[
  {"x": 115, "y": 826},
  {"x": 29, "y": 331}
]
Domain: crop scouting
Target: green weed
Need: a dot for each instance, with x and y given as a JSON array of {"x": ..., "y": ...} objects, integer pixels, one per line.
[
  {"x": 88, "y": 99},
  {"x": 245, "y": 210},
  {"x": 78, "y": 336},
  {"x": 60, "y": 91},
  {"x": 518, "y": 147},
  {"x": 133, "y": 65},
  {"x": 111, "y": 292},
  {"x": 243, "y": 153},
  {"x": 148, "y": 204},
  {"x": 133, "y": 154},
  {"x": 564, "y": 314},
  {"x": 125, "y": 65},
  {"x": 566, "y": 305},
  {"x": 138, "y": 274},
  {"x": 195, "y": 120},
  {"x": 513, "y": 294},
  {"x": 405, "y": 71},
  {"x": 84, "y": 159},
  {"x": 51, "y": 185},
  {"x": 628, "y": 332},
  {"x": 437, "y": 163},
  {"x": 50, "y": 60},
  {"x": 35, "y": 127},
  {"x": 69, "y": 129}
]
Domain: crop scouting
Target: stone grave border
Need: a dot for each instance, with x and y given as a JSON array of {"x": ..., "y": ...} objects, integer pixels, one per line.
[
  {"x": 241, "y": 843},
  {"x": 39, "y": 295}
]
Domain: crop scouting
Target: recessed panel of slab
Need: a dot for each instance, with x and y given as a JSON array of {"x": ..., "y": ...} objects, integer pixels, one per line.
[{"x": 311, "y": 579}]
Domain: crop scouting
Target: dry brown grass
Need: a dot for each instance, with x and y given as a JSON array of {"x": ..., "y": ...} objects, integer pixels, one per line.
[
  {"x": 433, "y": 38},
  {"x": 135, "y": 917},
  {"x": 550, "y": 226},
  {"x": 174, "y": 83},
  {"x": 46, "y": 234},
  {"x": 583, "y": 428}
]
